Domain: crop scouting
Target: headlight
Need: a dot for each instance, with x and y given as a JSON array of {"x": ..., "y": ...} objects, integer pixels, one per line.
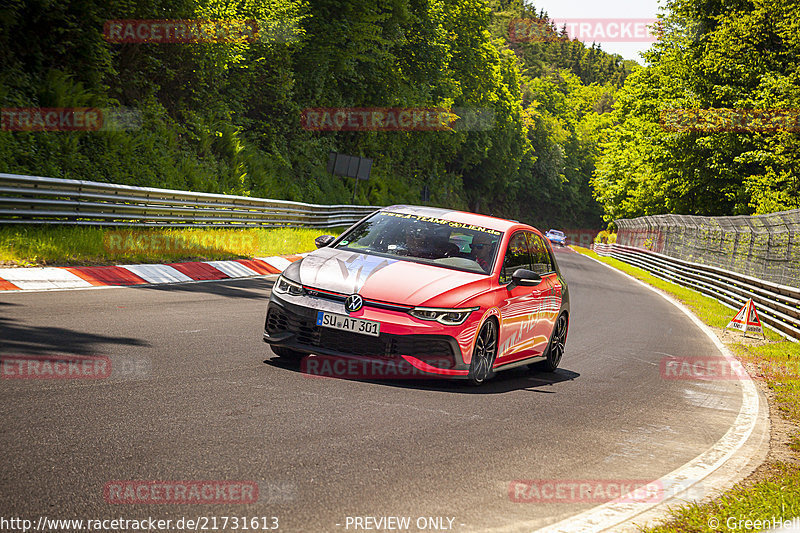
[
  {"x": 448, "y": 317},
  {"x": 286, "y": 286}
]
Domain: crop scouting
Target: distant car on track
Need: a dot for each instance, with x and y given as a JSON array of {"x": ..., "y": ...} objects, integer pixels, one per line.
[
  {"x": 453, "y": 294},
  {"x": 556, "y": 237}
]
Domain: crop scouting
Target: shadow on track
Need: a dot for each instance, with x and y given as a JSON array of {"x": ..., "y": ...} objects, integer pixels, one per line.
[
  {"x": 19, "y": 339},
  {"x": 507, "y": 381}
]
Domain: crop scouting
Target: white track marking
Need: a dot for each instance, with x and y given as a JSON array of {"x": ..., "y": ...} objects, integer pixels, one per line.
[
  {"x": 233, "y": 269},
  {"x": 278, "y": 262},
  {"x": 43, "y": 278},
  {"x": 614, "y": 516},
  {"x": 157, "y": 273}
]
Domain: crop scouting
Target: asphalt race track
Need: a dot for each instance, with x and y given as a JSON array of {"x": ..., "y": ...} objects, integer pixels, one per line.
[{"x": 196, "y": 395}]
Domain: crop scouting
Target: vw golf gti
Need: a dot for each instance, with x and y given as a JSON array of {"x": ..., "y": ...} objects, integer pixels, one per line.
[{"x": 453, "y": 294}]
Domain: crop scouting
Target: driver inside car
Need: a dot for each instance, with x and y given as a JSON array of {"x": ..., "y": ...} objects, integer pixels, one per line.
[{"x": 482, "y": 251}]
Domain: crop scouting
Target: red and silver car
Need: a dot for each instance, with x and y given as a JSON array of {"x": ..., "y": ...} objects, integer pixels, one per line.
[{"x": 452, "y": 294}]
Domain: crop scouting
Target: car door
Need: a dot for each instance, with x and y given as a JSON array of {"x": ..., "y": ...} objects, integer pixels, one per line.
[
  {"x": 519, "y": 306},
  {"x": 548, "y": 292}
]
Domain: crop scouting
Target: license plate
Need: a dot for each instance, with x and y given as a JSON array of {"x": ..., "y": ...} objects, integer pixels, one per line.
[{"x": 346, "y": 323}]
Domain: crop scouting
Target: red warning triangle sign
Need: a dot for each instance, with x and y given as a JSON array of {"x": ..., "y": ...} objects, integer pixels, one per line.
[{"x": 747, "y": 320}]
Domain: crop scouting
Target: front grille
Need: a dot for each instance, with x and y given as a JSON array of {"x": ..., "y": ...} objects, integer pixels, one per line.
[
  {"x": 421, "y": 346},
  {"x": 353, "y": 343},
  {"x": 434, "y": 349},
  {"x": 316, "y": 293},
  {"x": 305, "y": 330},
  {"x": 335, "y": 297}
]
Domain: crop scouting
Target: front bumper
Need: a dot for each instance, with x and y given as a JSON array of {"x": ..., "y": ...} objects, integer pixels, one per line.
[{"x": 292, "y": 324}]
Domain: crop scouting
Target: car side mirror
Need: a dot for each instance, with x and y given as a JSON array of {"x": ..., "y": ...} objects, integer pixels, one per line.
[
  {"x": 324, "y": 240},
  {"x": 522, "y": 277}
]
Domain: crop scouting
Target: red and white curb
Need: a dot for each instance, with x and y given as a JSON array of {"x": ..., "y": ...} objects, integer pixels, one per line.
[{"x": 49, "y": 278}]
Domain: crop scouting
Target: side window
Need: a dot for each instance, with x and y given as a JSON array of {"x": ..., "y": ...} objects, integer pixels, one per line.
[
  {"x": 540, "y": 257},
  {"x": 516, "y": 257}
]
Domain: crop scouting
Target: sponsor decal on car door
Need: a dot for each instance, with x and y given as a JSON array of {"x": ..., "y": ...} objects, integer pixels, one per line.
[
  {"x": 549, "y": 292},
  {"x": 520, "y": 309}
]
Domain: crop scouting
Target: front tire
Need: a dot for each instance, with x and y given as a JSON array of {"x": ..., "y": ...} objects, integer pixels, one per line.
[
  {"x": 480, "y": 368},
  {"x": 555, "y": 348}
]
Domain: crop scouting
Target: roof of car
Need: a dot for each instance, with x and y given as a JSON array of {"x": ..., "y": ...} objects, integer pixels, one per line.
[{"x": 499, "y": 224}]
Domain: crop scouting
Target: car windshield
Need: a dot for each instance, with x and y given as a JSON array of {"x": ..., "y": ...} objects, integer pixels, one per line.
[
  {"x": 425, "y": 240},
  {"x": 556, "y": 233}
]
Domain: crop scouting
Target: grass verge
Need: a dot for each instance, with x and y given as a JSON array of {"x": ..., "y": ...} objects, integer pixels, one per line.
[
  {"x": 772, "y": 493},
  {"x": 76, "y": 245}
]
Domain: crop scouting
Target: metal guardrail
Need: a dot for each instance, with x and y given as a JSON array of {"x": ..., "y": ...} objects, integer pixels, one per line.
[
  {"x": 39, "y": 200},
  {"x": 778, "y": 305}
]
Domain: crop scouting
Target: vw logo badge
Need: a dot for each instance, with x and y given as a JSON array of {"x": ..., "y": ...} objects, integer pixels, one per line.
[{"x": 353, "y": 303}]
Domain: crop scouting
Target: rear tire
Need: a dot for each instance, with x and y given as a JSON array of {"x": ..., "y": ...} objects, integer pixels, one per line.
[
  {"x": 555, "y": 348},
  {"x": 480, "y": 368},
  {"x": 287, "y": 354}
]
